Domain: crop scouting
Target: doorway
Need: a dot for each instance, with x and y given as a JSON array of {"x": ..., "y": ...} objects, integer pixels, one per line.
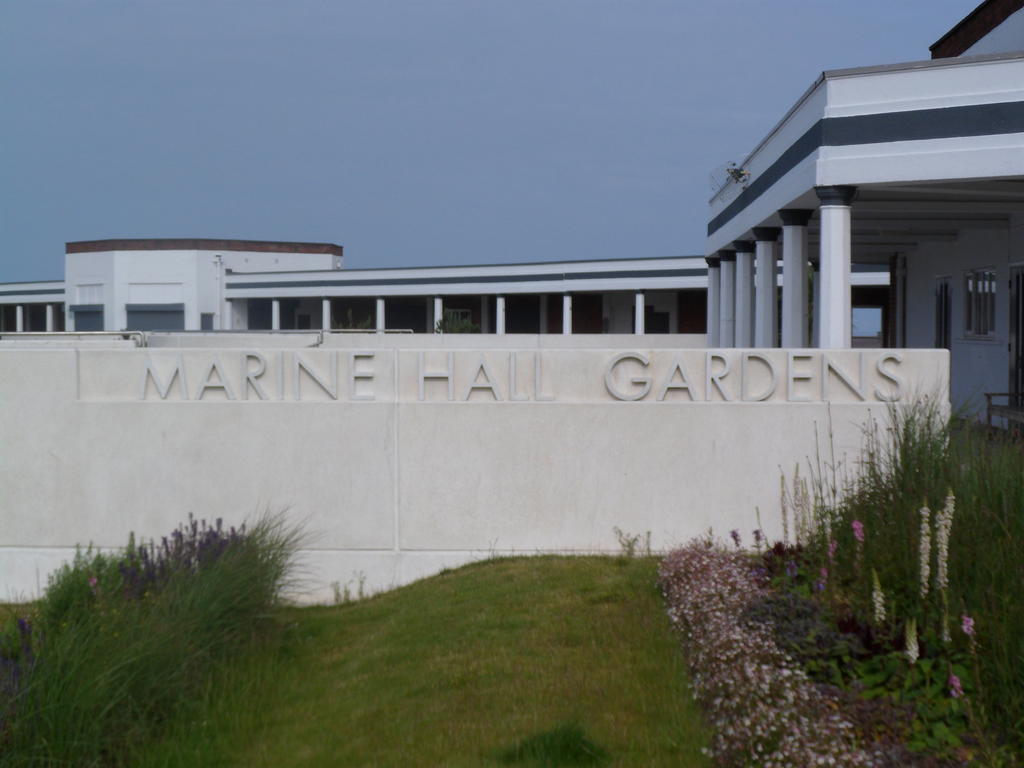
[{"x": 1016, "y": 334}]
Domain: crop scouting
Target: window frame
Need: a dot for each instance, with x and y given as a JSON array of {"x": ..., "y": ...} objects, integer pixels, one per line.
[{"x": 981, "y": 286}]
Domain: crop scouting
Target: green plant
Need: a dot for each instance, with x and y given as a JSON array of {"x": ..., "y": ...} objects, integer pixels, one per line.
[
  {"x": 120, "y": 641},
  {"x": 365, "y": 323},
  {"x": 565, "y": 745},
  {"x": 633, "y": 544},
  {"x": 904, "y": 567},
  {"x": 452, "y": 322}
]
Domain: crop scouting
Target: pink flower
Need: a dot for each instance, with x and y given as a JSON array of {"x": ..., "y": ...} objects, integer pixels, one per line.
[
  {"x": 956, "y": 690},
  {"x": 967, "y": 625},
  {"x": 858, "y": 530},
  {"x": 833, "y": 545},
  {"x": 93, "y": 581}
]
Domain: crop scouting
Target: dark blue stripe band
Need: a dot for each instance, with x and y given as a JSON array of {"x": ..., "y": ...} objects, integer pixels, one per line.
[
  {"x": 155, "y": 307},
  {"x": 915, "y": 125},
  {"x": 32, "y": 292}
]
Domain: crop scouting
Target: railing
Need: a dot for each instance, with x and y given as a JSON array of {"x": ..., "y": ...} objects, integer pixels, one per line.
[
  {"x": 319, "y": 333},
  {"x": 1012, "y": 411},
  {"x": 139, "y": 337}
]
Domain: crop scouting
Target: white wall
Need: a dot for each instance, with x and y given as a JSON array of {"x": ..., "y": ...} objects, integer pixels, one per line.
[
  {"x": 978, "y": 365},
  {"x": 82, "y": 272},
  {"x": 166, "y": 276},
  {"x": 172, "y": 276},
  {"x": 403, "y": 484},
  {"x": 209, "y": 288},
  {"x": 259, "y": 261},
  {"x": 1006, "y": 38}
]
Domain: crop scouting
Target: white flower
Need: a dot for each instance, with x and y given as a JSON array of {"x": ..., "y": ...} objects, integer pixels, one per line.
[
  {"x": 877, "y": 598},
  {"x": 925, "y": 550},
  {"x": 912, "y": 650},
  {"x": 943, "y": 525}
]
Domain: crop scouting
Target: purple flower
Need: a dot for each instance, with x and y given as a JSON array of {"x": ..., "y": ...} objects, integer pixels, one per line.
[
  {"x": 833, "y": 545},
  {"x": 967, "y": 625},
  {"x": 735, "y": 537},
  {"x": 791, "y": 569},
  {"x": 956, "y": 690},
  {"x": 858, "y": 531},
  {"x": 758, "y": 536}
]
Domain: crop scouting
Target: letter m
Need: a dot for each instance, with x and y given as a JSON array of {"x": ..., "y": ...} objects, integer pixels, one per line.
[{"x": 163, "y": 388}]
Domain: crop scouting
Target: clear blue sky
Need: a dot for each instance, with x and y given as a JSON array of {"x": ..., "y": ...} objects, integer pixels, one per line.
[{"x": 409, "y": 131}]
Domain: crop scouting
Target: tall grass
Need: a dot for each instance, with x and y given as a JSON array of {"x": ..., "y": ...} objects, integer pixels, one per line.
[
  {"x": 118, "y": 642},
  {"x": 915, "y": 460}
]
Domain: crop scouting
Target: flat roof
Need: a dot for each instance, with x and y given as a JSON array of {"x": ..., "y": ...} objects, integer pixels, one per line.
[
  {"x": 199, "y": 244},
  {"x": 568, "y": 263}
]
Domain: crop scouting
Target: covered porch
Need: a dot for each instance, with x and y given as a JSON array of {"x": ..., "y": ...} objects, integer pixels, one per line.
[{"x": 914, "y": 169}]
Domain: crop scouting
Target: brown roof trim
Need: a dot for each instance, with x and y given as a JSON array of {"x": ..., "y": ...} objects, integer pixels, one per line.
[
  {"x": 200, "y": 244},
  {"x": 974, "y": 26}
]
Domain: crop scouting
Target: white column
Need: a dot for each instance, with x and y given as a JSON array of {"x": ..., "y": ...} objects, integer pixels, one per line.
[
  {"x": 638, "y": 313},
  {"x": 275, "y": 315},
  {"x": 727, "y": 300},
  {"x": 227, "y": 315},
  {"x": 816, "y": 293},
  {"x": 438, "y": 311},
  {"x": 714, "y": 292},
  {"x": 766, "y": 292},
  {"x": 901, "y": 300},
  {"x": 794, "y": 277},
  {"x": 49, "y": 318},
  {"x": 744, "y": 293},
  {"x": 566, "y": 314},
  {"x": 19, "y": 318},
  {"x": 543, "y": 313},
  {"x": 485, "y": 314},
  {"x": 836, "y": 250},
  {"x": 499, "y": 315},
  {"x": 325, "y": 314},
  {"x": 379, "y": 324}
]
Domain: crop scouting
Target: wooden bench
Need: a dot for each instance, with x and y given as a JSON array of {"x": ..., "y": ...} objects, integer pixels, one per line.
[{"x": 1012, "y": 411}]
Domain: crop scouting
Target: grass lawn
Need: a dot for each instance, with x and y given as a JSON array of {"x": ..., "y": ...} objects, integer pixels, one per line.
[{"x": 534, "y": 661}]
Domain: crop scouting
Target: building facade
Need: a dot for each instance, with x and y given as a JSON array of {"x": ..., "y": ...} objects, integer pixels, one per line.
[
  {"x": 917, "y": 168},
  {"x": 217, "y": 285}
]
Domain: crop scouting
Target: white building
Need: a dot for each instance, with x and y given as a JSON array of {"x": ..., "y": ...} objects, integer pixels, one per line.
[
  {"x": 917, "y": 168},
  {"x": 217, "y": 285},
  {"x": 177, "y": 284},
  {"x": 432, "y": 450}
]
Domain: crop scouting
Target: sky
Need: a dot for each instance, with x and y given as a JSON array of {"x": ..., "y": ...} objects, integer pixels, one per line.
[{"x": 412, "y": 132}]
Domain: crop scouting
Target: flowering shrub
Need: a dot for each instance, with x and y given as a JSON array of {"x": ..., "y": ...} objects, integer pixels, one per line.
[
  {"x": 927, "y": 527},
  {"x": 764, "y": 709},
  {"x": 120, "y": 640},
  {"x": 190, "y": 548},
  {"x": 16, "y": 662}
]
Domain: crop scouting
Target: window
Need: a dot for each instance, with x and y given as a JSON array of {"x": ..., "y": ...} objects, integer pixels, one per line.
[
  {"x": 866, "y": 326},
  {"x": 980, "y": 302}
]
